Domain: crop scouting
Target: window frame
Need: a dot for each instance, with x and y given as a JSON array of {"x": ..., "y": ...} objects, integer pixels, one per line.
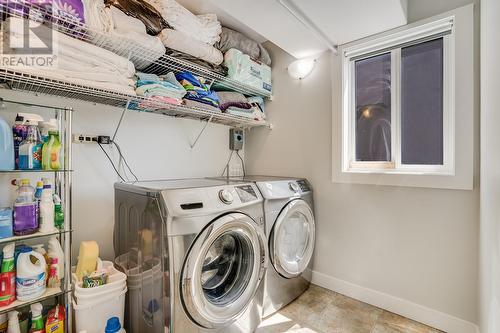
[{"x": 393, "y": 43}]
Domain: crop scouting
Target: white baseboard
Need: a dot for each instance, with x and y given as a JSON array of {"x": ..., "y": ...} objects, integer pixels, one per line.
[{"x": 422, "y": 314}]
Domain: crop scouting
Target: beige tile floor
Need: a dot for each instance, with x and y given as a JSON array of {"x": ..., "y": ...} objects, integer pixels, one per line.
[{"x": 320, "y": 310}]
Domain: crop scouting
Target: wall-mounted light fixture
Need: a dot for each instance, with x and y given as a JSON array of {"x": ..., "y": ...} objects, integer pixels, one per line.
[{"x": 301, "y": 68}]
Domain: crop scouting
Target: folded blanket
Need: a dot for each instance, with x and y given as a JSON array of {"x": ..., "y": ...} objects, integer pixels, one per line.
[
  {"x": 204, "y": 28},
  {"x": 230, "y": 39},
  {"x": 80, "y": 62},
  {"x": 252, "y": 113},
  {"x": 181, "y": 42},
  {"x": 197, "y": 90},
  {"x": 233, "y": 99},
  {"x": 166, "y": 85},
  {"x": 219, "y": 69},
  {"x": 97, "y": 18},
  {"x": 143, "y": 11},
  {"x": 201, "y": 105}
]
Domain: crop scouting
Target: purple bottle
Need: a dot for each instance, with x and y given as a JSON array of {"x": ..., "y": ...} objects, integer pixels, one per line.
[{"x": 25, "y": 210}]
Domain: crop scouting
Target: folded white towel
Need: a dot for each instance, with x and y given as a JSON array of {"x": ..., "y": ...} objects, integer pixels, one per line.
[
  {"x": 205, "y": 28},
  {"x": 125, "y": 23},
  {"x": 181, "y": 42},
  {"x": 80, "y": 62},
  {"x": 97, "y": 18}
]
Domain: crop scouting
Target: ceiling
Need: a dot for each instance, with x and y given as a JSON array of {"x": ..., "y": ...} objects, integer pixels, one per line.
[{"x": 338, "y": 21}]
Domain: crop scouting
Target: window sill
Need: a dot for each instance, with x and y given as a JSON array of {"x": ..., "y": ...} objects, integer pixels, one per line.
[{"x": 398, "y": 172}]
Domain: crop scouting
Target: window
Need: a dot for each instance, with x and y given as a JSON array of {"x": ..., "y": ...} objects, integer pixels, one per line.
[{"x": 398, "y": 102}]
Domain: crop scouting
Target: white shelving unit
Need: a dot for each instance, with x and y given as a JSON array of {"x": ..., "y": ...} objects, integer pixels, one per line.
[
  {"x": 143, "y": 59},
  {"x": 62, "y": 179}
]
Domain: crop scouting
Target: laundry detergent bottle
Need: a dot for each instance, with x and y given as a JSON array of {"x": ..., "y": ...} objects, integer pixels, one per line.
[
  {"x": 51, "y": 152},
  {"x": 19, "y": 131},
  {"x": 6, "y": 147},
  {"x": 25, "y": 210},
  {"x": 31, "y": 276}
]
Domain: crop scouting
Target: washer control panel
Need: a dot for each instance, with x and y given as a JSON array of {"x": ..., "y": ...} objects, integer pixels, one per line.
[
  {"x": 246, "y": 193},
  {"x": 226, "y": 196}
]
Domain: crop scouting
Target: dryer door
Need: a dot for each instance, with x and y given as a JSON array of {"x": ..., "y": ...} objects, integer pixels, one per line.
[
  {"x": 291, "y": 242},
  {"x": 223, "y": 270}
]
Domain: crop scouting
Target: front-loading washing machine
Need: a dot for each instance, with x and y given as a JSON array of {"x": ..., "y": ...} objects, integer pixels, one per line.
[
  {"x": 290, "y": 232},
  {"x": 195, "y": 254}
]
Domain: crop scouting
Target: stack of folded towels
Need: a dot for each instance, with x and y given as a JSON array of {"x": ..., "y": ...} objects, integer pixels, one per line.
[
  {"x": 78, "y": 62},
  {"x": 191, "y": 34},
  {"x": 237, "y": 104},
  {"x": 164, "y": 88},
  {"x": 103, "y": 20}
]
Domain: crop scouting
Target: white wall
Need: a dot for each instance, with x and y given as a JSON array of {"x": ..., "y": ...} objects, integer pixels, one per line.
[
  {"x": 156, "y": 147},
  {"x": 412, "y": 250},
  {"x": 490, "y": 170}
]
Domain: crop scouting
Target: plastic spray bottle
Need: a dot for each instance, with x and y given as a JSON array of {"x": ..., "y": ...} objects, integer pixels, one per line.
[
  {"x": 8, "y": 276},
  {"x": 56, "y": 252},
  {"x": 51, "y": 152},
  {"x": 37, "y": 325},
  {"x": 13, "y": 322}
]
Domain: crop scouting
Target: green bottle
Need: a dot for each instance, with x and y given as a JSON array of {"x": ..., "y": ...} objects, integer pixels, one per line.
[
  {"x": 58, "y": 213},
  {"x": 36, "y": 318},
  {"x": 51, "y": 152}
]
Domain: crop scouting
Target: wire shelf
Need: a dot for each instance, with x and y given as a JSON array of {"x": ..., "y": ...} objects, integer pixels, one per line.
[
  {"x": 143, "y": 58},
  {"x": 17, "y": 80}
]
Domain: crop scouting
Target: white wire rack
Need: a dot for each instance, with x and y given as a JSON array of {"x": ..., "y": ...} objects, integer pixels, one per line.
[
  {"x": 40, "y": 85},
  {"x": 143, "y": 58}
]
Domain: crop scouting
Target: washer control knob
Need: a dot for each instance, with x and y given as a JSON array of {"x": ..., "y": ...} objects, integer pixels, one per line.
[
  {"x": 226, "y": 196},
  {"x": 293, "y": 186}
]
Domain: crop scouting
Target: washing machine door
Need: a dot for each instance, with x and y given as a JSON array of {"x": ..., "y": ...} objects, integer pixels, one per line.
[
  {"x": 223, "y": 270},
  {"x": 291, "y": 242}
]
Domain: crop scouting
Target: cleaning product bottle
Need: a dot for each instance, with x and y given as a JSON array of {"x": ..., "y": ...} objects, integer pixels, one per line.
[
  {"x": 13, "y": 322},
  {"x": 46, "y": 127},
  {"x": 113, "y": 326},
  {"x": 37, "y": 325},
  {"x": 56, "y": 252},
  {"x": 8, "y": 276},
  {"x": 31, "y": 278},
  {"x": 4, "y": 323},
  {"x": 7, "y": 161},
  {"x": 30, "y": 150},
  {"x": 25, "y": 210},
  {"x": 58, "y": 213},
  {"x": 51, "y": 152},
  {"x": 47, "y": 210},
  {"x": 19, "y": 132}
]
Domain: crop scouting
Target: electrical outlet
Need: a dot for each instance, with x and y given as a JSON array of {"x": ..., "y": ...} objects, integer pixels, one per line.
[{"x": 84, "y": 138}]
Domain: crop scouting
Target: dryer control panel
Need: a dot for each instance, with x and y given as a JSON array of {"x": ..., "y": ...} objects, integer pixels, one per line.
[{"x": 246, "y": 193}]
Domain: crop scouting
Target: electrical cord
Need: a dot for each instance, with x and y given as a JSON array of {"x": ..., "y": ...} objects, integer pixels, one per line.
[
  {"x": 124, "y": 159},
  {"x": 227, "y": 164},
  {"x": 242, "y": 162},
  {"x": 111, "y": 161}
]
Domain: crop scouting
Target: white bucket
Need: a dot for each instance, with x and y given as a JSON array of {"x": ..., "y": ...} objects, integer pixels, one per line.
[{"x": 93, "y": 317}]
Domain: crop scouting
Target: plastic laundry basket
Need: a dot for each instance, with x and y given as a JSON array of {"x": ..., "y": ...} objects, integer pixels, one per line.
[{"x": 93, "y": 317}]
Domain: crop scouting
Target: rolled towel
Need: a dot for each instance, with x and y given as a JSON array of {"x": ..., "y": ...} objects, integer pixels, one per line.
[{"x": 181, "y": 42}]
